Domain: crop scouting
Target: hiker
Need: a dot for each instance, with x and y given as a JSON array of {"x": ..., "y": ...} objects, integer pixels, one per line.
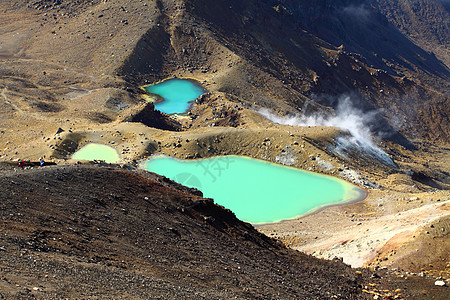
[
  {"x": 21, "y": 163},
  {"x": 41, "y": 161}
]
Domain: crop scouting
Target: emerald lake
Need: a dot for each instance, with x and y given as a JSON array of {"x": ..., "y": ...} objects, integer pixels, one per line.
[
  {"x": 255, "y": 190},
  {"x": 94, "y": 151},
  {"x": 176, "y": 95}
]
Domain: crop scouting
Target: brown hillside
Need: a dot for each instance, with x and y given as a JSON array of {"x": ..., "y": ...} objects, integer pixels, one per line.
[{"x": 86, "y": 231}]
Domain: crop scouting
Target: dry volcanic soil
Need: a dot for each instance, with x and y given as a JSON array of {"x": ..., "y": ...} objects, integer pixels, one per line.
[
  {"x": 349, "y": 88},
  {"x": 91, "y": 231}
]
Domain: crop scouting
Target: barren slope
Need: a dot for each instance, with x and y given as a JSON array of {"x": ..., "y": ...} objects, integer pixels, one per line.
[{"x": 80, "y": 231}]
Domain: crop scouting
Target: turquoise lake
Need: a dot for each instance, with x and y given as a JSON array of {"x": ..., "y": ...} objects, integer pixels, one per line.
[
  {"x": 94, "y": 151},
  {"x": 176, "y": 94},
  {"x": 255, "y": 190}
]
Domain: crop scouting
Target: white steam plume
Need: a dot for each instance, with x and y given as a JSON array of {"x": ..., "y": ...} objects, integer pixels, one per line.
[
  {"x": 360, "y": 12},
  {"x": 346, "y": 117}
]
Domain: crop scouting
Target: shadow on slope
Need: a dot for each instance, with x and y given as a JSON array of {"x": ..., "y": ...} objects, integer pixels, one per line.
[{"x": 363, "y": 29}]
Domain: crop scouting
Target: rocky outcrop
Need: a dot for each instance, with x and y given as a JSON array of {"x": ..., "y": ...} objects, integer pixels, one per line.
[{"x": 146, "y": 114}]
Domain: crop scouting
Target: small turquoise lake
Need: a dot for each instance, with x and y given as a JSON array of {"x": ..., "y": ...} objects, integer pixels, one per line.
[
  {"x": 176, "y": 95},
  {"x": 94, "y": 151},
  {"x": 255, "y": 190}
]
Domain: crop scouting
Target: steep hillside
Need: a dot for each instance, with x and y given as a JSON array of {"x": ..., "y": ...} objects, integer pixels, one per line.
[
  {"x": 87, "y": 231},
  {"x": 324, "y": 49},
  {"x": 427, "y": 23},
  {"x": 92, "y": 231},
  {"x": 289, "y": 56},
  {"x": 362, "y": 28}
]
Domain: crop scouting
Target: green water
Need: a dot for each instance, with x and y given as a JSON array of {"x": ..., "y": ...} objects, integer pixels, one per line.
[
  {"x": 256, "y": 191},
  {"x": 177, "y": 94},
  {"x": 97, "y": 152}
]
